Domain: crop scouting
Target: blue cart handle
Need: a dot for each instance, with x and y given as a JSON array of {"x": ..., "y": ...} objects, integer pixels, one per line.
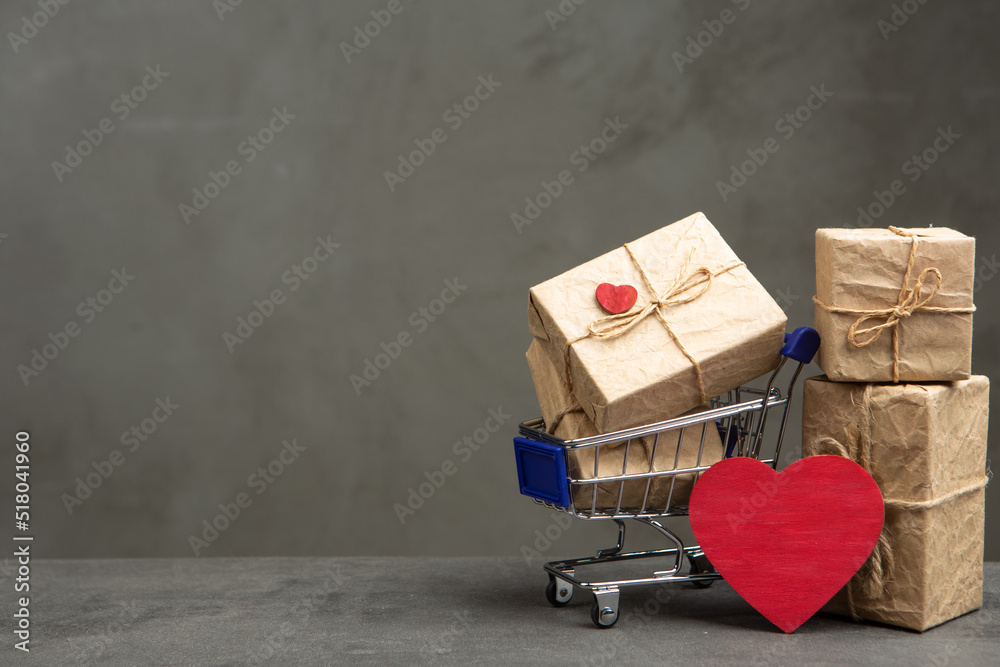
[{"x": 801, "y": 345}]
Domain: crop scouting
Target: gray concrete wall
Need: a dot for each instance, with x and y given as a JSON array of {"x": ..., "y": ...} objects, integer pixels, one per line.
[{"x": 322, "y": 176}]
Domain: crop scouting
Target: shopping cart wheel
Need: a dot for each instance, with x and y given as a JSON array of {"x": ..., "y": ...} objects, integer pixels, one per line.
[
  {"x": 559, "y": 592},
  {"x": 700, "y": 565},
  {"x": 604, "y": 613},
  {"x": 603, "y": 617}
]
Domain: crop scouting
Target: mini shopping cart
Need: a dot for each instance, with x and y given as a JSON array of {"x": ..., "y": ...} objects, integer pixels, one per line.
[{"x": 740, "y": 417}]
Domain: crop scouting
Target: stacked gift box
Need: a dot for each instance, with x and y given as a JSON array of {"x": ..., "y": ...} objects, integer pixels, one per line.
[
  {"x": 894, "y": 312},
  {"x": 681, "y": 319},
  {"x": 700, "y": 325}
]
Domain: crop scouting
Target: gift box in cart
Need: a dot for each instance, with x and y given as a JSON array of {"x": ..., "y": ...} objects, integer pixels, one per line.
[{"x": 740, "y": 416}]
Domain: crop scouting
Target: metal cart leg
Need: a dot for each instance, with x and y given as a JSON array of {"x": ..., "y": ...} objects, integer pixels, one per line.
[
  {"x": 617, "y": 549},
  {"x": 604, "y": 613},
  {"x": 678, "y": 545}
]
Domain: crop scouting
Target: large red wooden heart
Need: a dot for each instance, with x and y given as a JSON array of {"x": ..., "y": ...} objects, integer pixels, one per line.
[
  {"x": 787, "y": 542},
  {"x": 616, "y": 298}
]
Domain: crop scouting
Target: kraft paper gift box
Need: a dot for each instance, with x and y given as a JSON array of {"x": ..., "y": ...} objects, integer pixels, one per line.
[
  {"x": 925, "y": 445},
  {"x": 894, "y": 305},
  {"x": 560, "y": 409},
  {"x": 701, "y": 325}
]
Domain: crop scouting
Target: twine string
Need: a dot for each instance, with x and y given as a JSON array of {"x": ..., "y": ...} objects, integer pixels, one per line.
[
  {"x": 909, "y": 301},
  {"x": 878, "y": 569},
  {"x": 688, "y": 285}
]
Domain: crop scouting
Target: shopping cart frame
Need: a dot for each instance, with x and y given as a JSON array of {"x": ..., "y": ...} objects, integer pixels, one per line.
[{"x": 741, "y": 417}]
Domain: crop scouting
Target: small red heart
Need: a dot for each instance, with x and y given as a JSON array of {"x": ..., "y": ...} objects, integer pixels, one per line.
[
  {"x": 787, "y": 542},
  {"x": 616, "y": 298}
]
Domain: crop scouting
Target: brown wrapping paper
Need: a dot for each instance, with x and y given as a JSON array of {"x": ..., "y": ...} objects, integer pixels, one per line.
[
  {"x": 555, "y": 399},
  {"x": 863, "y": 269},
  {"x": 734, "y": 330},
  {"x": 928, "y": 445}
]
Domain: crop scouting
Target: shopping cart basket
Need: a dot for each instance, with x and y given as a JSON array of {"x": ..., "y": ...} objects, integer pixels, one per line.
[{"x": 740, "y": 417}]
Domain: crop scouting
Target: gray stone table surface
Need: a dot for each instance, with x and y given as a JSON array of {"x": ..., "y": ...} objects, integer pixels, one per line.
[{"x": 431, "y": 611}]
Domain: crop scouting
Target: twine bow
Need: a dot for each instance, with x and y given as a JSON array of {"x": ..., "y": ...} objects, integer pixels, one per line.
[
  {"x": 878, "y": 570},
  {"x": 612, "y": 326},
  {"x": 910, "y": 300}
]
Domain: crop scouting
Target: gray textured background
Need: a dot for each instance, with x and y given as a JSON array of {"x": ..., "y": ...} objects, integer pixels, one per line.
[{"x": 324, "y": 176}]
